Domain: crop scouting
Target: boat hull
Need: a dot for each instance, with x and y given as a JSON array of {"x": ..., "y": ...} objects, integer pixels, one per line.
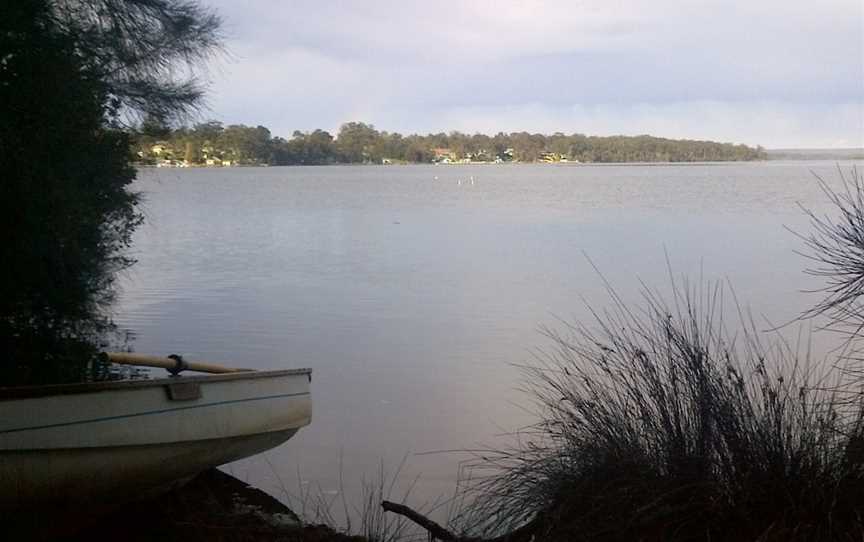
[{"x": 98, "y": 444}]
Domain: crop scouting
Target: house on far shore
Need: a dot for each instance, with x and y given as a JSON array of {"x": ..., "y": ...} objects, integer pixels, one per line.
[
  {"x": 506, "y": 156},
  {"x": 552, "y": 158},
  {"x": 218, "y": 162},
  {"x": 443, "y": 156}
]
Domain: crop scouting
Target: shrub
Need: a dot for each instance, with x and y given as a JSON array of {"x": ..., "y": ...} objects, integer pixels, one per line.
[{"x": 661, "y": 424}]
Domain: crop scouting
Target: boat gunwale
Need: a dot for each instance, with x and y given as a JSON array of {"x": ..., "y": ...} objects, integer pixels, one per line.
[{"x": 49, "y": 390}]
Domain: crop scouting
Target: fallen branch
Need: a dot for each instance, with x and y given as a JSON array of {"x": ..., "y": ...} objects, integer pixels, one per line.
[
  {"x": 438, "y": 532},
  {"x": 435, "y": 530}
]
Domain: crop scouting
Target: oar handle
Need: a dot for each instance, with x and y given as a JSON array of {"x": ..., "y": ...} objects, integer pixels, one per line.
[{"x": 170, "y": 363}]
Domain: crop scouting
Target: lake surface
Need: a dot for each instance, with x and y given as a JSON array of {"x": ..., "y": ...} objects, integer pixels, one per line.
[{"x": 412, "y": 291}]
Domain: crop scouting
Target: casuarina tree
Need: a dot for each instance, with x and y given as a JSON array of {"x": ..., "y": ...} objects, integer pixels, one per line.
[{"x": 72, "y": 76}]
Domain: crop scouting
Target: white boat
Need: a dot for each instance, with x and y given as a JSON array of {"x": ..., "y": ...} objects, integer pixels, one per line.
[{"x": 80, "y": 446}]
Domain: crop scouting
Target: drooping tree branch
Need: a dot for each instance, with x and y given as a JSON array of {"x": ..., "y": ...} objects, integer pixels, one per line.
[{"x": 146, "y": 52}]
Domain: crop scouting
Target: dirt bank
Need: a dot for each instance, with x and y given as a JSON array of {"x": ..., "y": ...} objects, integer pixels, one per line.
[{"x": 213, "y": 507}]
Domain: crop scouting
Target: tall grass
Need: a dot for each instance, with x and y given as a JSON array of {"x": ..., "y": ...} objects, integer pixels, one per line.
[
  {"x": 358, "y": 516},
  {"x": 835, "y": 248},
  {"x": 659, "y": 423}
]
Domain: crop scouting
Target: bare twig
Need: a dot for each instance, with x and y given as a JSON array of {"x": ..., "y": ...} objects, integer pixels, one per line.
[{"x": 438, "y": 532}]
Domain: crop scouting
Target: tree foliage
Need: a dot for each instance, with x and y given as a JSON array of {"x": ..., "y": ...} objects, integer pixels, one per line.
[
  {"x": 137, "y": 48},
  {"x": 67, "y": 213},
  {"x": 360, "y": 143}
]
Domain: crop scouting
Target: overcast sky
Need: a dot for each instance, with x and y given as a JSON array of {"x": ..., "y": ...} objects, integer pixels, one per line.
[{"x": 780, "y": 73}]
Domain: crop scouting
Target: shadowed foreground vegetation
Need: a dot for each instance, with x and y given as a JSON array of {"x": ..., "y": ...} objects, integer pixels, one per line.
[{"x": 659, "y": 424}]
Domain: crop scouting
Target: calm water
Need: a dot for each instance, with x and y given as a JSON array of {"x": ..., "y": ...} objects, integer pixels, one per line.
[{"x": 411, "y": 291}]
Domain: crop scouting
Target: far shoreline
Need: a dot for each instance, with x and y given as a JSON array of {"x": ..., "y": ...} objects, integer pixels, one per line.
[{"x": 509, "y": 164}]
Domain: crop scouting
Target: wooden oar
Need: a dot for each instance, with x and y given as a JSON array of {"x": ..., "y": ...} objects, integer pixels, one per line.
[{"x": 172, "y": 364}]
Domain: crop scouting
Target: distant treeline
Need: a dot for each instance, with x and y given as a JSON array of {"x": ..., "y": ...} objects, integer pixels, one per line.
[{"x": 211, "y": 143}]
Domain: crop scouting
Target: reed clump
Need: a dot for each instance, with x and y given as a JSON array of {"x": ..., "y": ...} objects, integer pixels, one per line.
[
  {"x": 658, "y": 423},
  {"x": 362, "y": 517}
]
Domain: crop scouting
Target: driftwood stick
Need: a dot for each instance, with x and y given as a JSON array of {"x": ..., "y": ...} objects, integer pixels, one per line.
[
  {"x": 438, "y": 532},
  {"x": 434, "y": 529}
]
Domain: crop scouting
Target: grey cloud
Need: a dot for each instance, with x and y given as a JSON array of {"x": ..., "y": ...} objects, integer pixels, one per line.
[{"x": 405, "y": 64}]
